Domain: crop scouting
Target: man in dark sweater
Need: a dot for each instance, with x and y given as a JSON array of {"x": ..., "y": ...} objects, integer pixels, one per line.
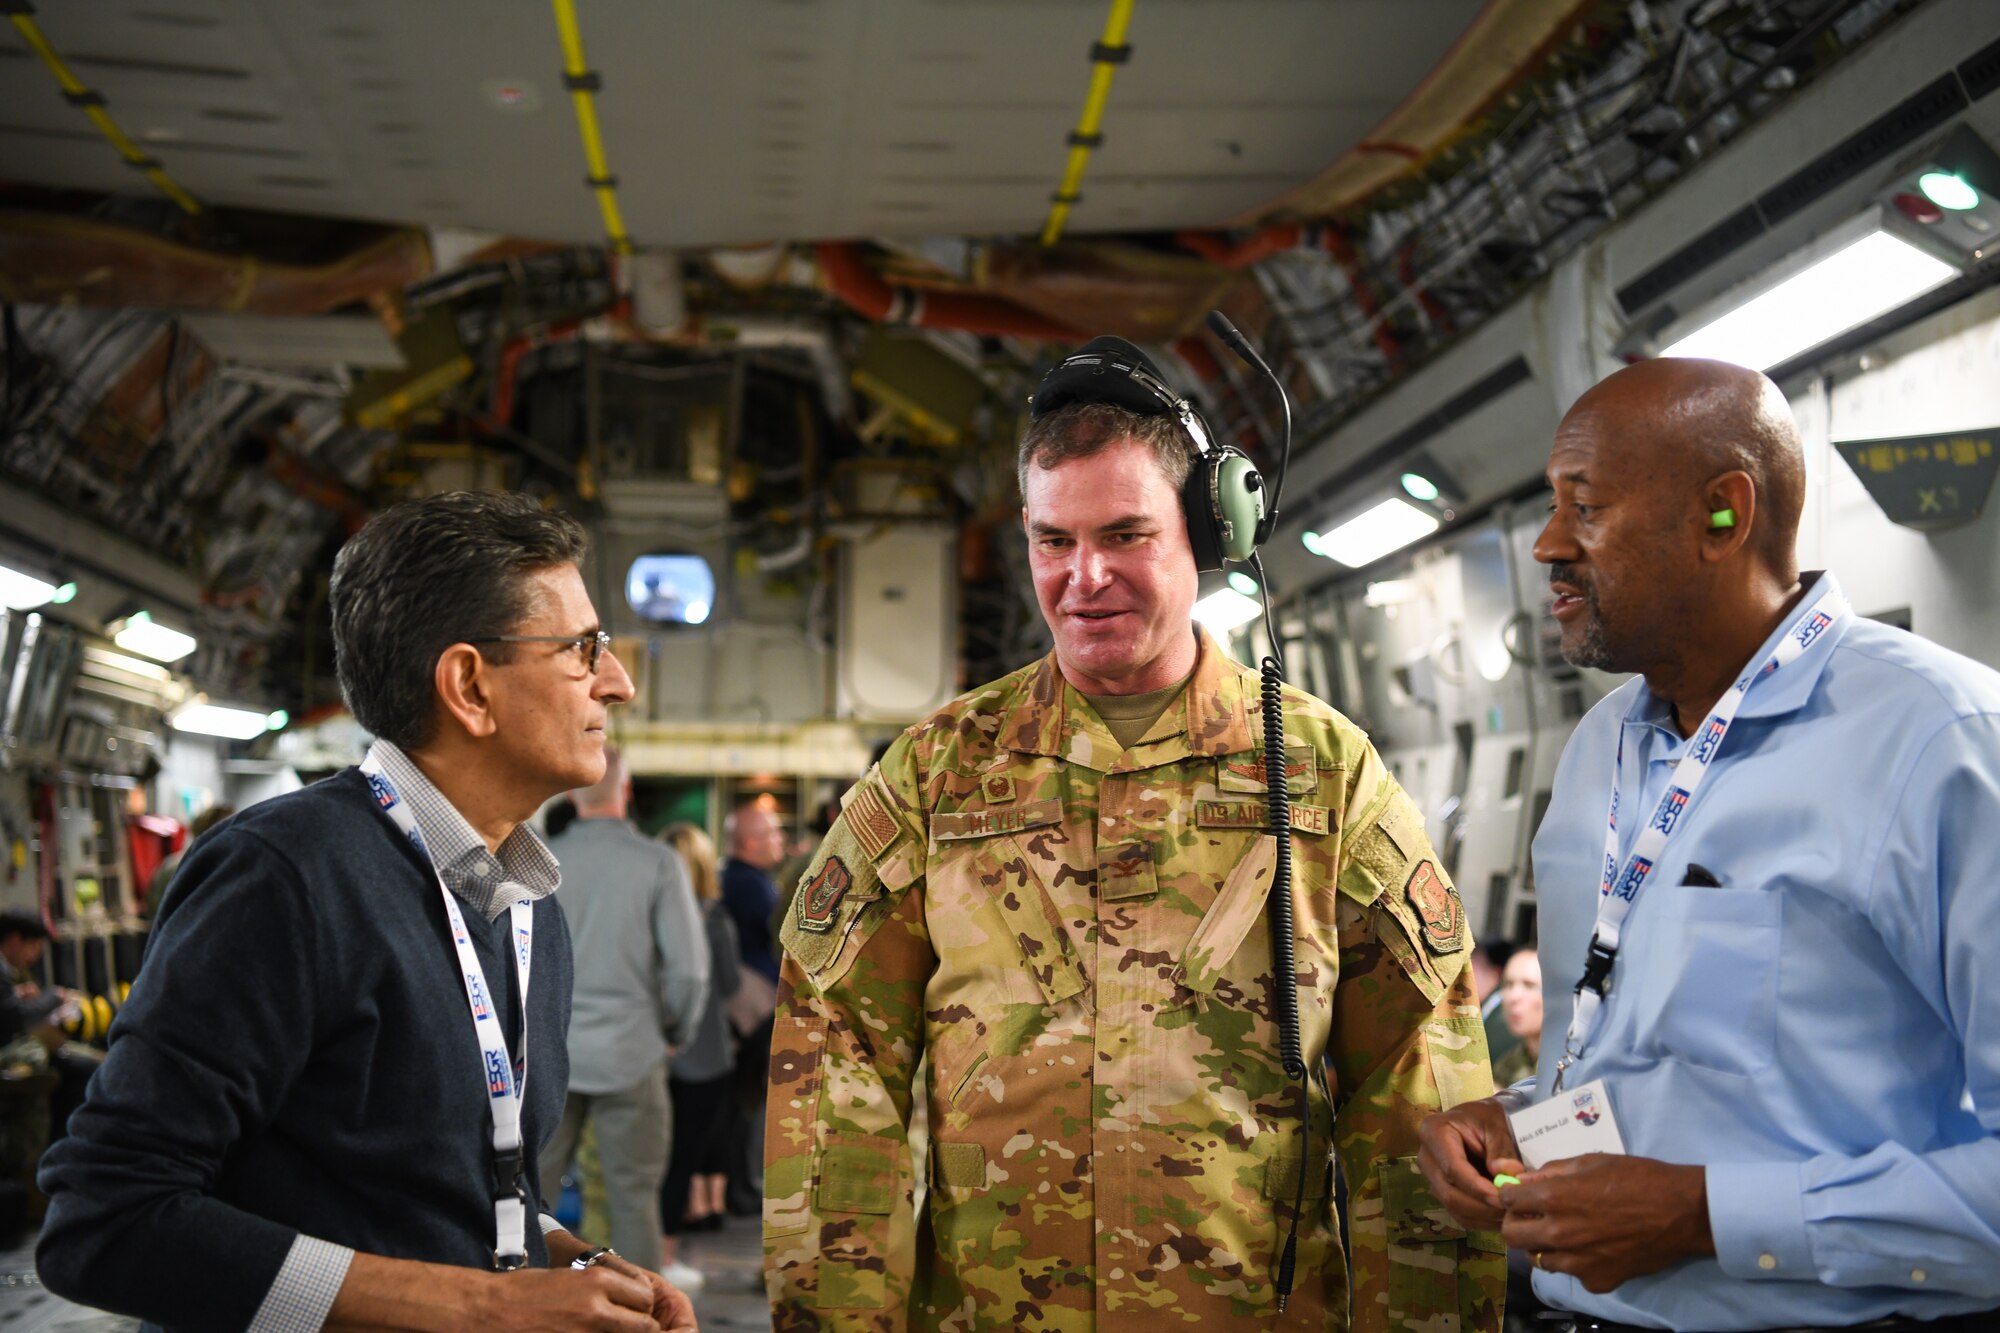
[{"x": 324, "y": 1099}]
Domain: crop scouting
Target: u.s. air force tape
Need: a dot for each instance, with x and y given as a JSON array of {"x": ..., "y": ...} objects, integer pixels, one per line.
[{"x": 1252, "y": 814}]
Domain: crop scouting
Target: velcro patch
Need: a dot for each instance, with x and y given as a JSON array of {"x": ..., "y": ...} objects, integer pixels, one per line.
[
  {"x": 987, "y": 823},
  {"x": 1403, "y": 825},
  {"x": 1437, "y": 907},
  {"x": 1251, "y": 814},
  {"x": 1125, "y": 872},
  {"x": 1247, "y": 772},
  {"x": 819, "y": 897},
  {"x": 875, "y": 826}
]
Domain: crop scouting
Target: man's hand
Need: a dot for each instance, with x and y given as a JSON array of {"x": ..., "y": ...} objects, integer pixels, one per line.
[
  {"x": 611, "y": 1297},
  {"x": 547, "y": 1300},
  {"x": 1606, "y": 1219},
  {"x": 672, "y": 1310},
  {"x": 1457, "y": 1156}
]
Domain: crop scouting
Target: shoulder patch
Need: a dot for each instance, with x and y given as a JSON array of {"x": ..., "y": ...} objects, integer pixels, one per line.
[
  {"x": 836, "y": 889},
  {"x": 874, "y": 824},
  {"x": 819, "y": 896},
  {"x": 1436, "y": 904}
]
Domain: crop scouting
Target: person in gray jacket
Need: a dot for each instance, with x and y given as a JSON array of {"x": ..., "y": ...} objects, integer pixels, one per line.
[{"x": 642, "y": 978}]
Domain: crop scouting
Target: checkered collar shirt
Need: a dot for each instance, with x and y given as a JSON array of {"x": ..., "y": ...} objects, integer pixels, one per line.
[{"x": 523, "y": 871}]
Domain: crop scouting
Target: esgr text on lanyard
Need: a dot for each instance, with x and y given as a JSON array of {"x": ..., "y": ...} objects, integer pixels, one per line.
[
  {"x": 1621, "y": 883},
  {"x": 505, "y": 1076}
]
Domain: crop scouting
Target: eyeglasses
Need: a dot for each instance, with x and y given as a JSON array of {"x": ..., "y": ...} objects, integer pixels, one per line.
[{"x": 591, "y": 645}]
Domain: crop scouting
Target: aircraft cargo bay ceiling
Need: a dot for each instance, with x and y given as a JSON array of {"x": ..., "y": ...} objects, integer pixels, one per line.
[
  {"x": 343, "y": 251},
  {"x": 725, "y": 123}
]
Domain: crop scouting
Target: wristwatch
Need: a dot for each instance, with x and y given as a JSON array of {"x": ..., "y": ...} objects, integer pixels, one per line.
[{"x": 591, "y": 1258}]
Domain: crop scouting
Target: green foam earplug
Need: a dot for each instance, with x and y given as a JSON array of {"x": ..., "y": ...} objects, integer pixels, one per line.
[
  {"x": 1722, "y": 518},
  {"x": 1506, "y": 1180}
]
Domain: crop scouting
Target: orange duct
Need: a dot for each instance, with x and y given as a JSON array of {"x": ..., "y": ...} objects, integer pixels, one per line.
[
  {"x": 1256, "y": 247},
  {"x": 867, "y": 293},
  {"x": 48, "y": 258}
]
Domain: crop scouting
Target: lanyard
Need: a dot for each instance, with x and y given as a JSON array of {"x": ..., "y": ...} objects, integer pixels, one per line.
[
  {"x": 506, "y": 1079},
  {"x": 1620, "y": 886}
]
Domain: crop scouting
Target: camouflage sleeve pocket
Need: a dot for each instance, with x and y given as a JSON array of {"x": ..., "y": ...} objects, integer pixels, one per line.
[
  {"x": 791, "y": 1117},
  {"x": 1426, "y": 1262},
  {"x": 1459, "y": 1064},
  {"x": 1416, "y": 1218},
  {"x": 858, "y": 1173}
]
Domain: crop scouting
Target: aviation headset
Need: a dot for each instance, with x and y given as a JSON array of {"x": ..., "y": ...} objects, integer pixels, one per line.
[{"x": 1223, "y": 496}]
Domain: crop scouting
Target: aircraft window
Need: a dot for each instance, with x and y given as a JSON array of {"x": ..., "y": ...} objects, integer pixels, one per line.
[{"x": 671, "y": 589}]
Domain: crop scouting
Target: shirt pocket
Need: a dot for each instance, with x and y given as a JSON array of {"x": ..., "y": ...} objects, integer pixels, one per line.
[
  {"x": 976, "y": 874},
  {"x": 1711, "y": 998}
]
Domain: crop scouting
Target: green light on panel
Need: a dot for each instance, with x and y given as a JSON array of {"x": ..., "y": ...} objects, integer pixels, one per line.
[
  {"x": 1948, "y": 191},
  {"x": 1243, "y": 583},
  {"x": 63, "y": 594},
  {"x": 278, "y": 720},
  {"x": 1310, "y": 540},
  {"x": 1420, "y": 487}
]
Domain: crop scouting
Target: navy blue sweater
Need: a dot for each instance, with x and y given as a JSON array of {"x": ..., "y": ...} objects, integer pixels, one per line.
[{"x": 296, "y": 1057}]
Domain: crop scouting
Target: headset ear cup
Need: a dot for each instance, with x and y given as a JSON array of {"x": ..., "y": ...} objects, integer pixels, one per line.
[
  {"x": 1238, "y": 505},
  {"x": 1198, "y": 505}
]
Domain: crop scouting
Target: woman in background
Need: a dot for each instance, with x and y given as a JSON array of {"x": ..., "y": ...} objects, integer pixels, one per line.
[
  {"x": 699, "y": 1075},
  {"x": 1521, "y": 1005}
]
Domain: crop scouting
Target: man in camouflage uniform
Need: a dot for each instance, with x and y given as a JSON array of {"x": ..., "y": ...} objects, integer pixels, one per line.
[{"x": 1070, "y": 925}]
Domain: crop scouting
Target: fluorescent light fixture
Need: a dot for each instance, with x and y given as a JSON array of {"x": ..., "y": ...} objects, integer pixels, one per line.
[
  {"x": 142, "y": 634},
  {"x": 1420, "y": 487},
  {"x": 1389, "y": 526},
  {"x": 1226, "y": 610},
  {"x": 1948, "y": 191},
  {"x": 131, "y": 666},
  {"x": 235, "y": 724},
  {"x": 1390, "y": 592},
  {"x": 1851, "y": 286},
  {"x": 24, "y": 592}
]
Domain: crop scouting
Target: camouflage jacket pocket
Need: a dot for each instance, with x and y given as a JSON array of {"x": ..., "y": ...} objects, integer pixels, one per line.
[
  {"x": 1230, "y": 918},
  {"x": 999, "y": 871}
]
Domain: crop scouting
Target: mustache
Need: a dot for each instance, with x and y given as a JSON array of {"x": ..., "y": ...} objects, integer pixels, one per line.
[{"x": 1564, "y": 572}]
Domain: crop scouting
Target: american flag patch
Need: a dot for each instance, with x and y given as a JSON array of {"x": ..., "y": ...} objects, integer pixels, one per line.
[{"x": 867, "y": 815}]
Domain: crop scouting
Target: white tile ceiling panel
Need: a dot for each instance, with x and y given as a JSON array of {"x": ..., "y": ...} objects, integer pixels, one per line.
[{"x": 725, "y": 123}]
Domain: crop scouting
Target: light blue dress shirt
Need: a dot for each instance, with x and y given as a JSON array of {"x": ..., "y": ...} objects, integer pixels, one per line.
[{"x": 1815, "y": 1031}]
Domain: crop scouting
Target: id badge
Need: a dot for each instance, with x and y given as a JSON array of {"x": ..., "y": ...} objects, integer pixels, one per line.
[{"x": 1573, "y": 1122}]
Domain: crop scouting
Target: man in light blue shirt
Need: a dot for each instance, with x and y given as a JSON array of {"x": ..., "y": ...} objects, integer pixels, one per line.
[{"x": 1801, "y": 1032}]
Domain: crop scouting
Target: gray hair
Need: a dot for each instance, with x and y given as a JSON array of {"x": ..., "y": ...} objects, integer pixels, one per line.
[
  {"x": 424, "y": 575},
  {"x": 1083, "y": 429}
]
